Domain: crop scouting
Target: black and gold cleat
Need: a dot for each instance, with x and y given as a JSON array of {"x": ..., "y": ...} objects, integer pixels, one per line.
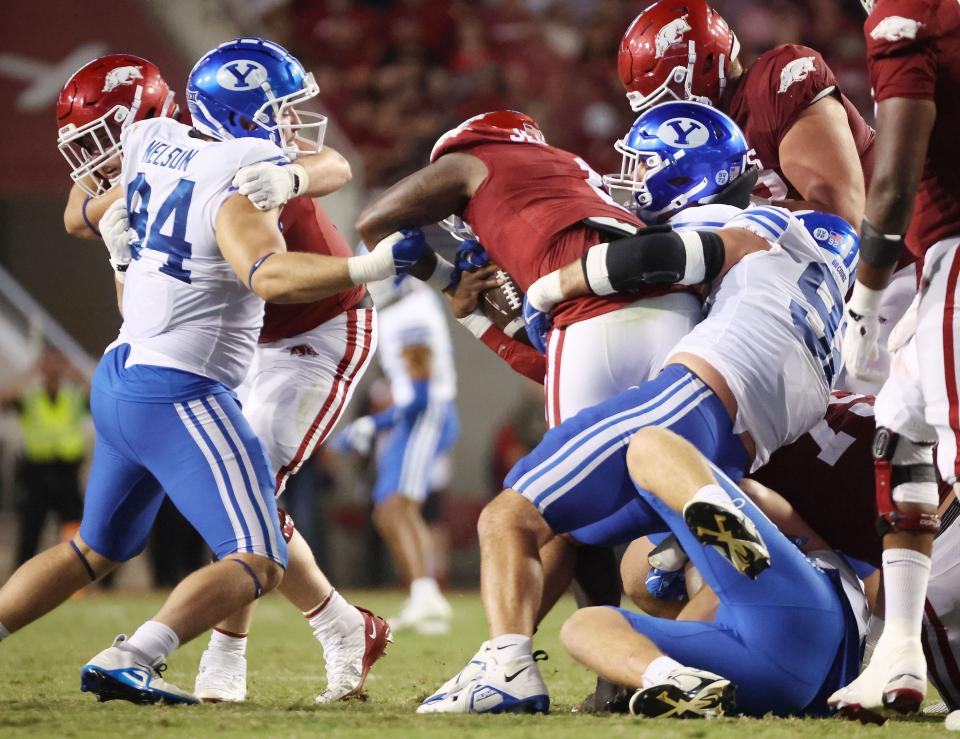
[
  {"x": 686, "y": 693},
  {"x": 731, "y": 533}
]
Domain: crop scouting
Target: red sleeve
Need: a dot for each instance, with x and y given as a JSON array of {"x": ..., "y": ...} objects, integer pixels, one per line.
[
  {"x": 795, "y": 77},
  {"x": 522, "y": 358},
  {"x": 901, "y": 50}
]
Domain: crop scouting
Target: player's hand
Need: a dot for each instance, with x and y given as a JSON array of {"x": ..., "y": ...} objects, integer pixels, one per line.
[
  {"x": 538, "y": 323},
  {"x": 117, "y": 234},
  {"x": 406, "y": 247},
  {"x": 471, "y": 256},
  {"x": 357, "y": 436},
  {"x": 666, "y": 585},
  {"x": 465, "y": 297},
  {"x": 860, "y": 339},
  {"x": 271, "y": 185}
]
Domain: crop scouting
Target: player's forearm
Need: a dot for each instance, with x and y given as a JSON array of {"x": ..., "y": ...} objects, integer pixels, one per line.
[
  {"x": 327, "y": 171},
  {"x": 83, "y": 213},
  {"x": 296, "y": 277}
]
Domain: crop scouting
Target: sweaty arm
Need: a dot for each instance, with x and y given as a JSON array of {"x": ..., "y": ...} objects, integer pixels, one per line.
[
  {"x": 251, "y": 242},
  {"x": 82, "y": 215},
  {"x": 819, "y": 156},
  {"x": 654, "y": 256}
]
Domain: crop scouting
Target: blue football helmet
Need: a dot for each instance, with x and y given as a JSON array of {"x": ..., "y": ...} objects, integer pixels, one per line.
[
  {"x": 833, "y": 234},
  {"x": 247, "y": 88},
  {"x": 675, "y": 155}
]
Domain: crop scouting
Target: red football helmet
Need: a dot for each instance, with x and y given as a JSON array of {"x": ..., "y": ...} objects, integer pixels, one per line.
[
  {"x": 97, "y": 103},
  {"x": 676, "y": 50},
  {"x": 499, "y": 125}
]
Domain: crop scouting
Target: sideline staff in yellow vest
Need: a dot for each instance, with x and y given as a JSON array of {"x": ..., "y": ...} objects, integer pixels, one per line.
[{"x": 52, "y": 406}]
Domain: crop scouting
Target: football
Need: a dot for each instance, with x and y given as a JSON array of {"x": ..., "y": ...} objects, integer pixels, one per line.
[{"x": 504, "y": 307}]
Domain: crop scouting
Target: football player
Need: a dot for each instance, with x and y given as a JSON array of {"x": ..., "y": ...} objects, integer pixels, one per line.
[
  {"x": 914, "y": 198},
  {"x": 753, "y": 376},
  {"x": 416, "y": 355},
  {"x": 204, "y": 259}
]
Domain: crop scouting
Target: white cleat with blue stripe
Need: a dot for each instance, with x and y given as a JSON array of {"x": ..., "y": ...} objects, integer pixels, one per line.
[
  {"x": 121, "y": 674},
  {"x": 513, "y": 686}
]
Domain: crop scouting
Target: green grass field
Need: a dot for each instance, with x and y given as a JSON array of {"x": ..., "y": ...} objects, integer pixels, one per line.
[{"x": 40, "y": 696}]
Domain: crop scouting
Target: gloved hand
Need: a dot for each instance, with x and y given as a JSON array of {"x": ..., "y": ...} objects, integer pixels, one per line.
[
  {"x": 666, "y": 585},
  {"x": 470, "y": 256},
  {"x": 357, "y": 436},
  {"x": 860, "y": 347},
  {"x": 406, "y": 247},
  {"x": 118, "y": 234},
  {"x": 271, "y": 185},
  {"x": 538, "y": 323}
]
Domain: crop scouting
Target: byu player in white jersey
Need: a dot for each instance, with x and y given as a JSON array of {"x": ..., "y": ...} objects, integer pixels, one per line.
[
  {"x": 417, "y": 357},
  {"x": 204, "y": 259},
  {"x": 775, "y": 310}
]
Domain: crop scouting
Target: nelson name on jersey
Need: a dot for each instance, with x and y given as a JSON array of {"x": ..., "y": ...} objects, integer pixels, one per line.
[{"x": 163, "y": 154}]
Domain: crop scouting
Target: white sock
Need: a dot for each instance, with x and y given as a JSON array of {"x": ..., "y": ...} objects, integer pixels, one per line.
[
  {"x": 222, "y": 641},
  {"x": 713, "y": 494},
  {"x": 331, "y": 609},
  {"x": 905, "y": 576},
  {"x": 508, "y": 646},
  {"x": 658, "y": 670},
  {"x": 4, "y": 633},
  {"x": 424, "y": 587},
  {"x": 153, "y": 641}
]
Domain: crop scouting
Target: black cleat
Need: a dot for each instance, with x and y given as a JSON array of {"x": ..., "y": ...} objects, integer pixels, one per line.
[
  {"x": 731, "y": 533},
  {"x": 607, "y": 698}
]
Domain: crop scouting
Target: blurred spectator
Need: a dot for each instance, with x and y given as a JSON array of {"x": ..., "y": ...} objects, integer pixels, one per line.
[
  {"x": 396, "y": 75},
  {"x": 52, "y": 408}
]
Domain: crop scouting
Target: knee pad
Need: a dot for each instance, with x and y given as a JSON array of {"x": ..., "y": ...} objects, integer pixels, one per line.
[
  {"x": 904, "y": 473},
  {"x": 287, "y": 526}
]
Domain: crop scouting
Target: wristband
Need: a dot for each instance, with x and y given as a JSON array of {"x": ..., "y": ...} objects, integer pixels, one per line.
[
  {"x": 377, "y": 265},
  {"x": 444, "y": 275},
  {"x": 86, "y": 220},
  {"x": 864, "y": 301},
  {"x": 301, "y": 180},
  {"x": 595, "y": 274},
  {"x": 879, "y": 249},
  {"x": 545, "y": 292},
  {"x": 476, "y": 323}
]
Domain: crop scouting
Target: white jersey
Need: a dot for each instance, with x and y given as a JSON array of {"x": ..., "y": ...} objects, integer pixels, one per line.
[
  {"x": 773, "y": 326},
  {"x": 183, "y": 305},
  {"x": 415, "y": 316}
]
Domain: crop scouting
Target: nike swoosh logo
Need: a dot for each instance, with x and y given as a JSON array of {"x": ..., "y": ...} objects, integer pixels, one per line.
[
  {"x": 373, "y": 630},
  {"x": 509, "y": 678},
  {"x": 506, "y": 647}
]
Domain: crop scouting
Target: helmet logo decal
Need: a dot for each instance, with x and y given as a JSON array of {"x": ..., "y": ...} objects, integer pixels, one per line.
[
  {"x": 121, "y": 76},
  {"x": 683, "y": 133},
  {"x": 241, "y": 74},
  {"x": 894, "y": 28},
  {"x": 671, "y": 34},
  {"x": 796, "y": 71}
]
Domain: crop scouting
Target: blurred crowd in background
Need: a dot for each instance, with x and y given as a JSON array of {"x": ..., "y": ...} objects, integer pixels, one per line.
[{"x": 395, "y": 74}]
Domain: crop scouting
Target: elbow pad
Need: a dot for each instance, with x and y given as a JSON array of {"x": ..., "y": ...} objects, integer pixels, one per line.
[{"x": 655, "y": 256}]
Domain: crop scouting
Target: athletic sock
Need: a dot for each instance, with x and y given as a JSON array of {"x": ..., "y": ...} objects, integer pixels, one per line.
[
  {"x": 905, "y": 576},
  {"x": 508, "y": 646},
  {"x": 331, "y": 609},
  {"x": 424, "y": 588},
  {"x": 658, "y": 671},
  {"x": 153, "y": 641},
  {"x": 4, "y": 633},
  {"x": 228, "y": 642},
  {"x": 713, "y": 494}
]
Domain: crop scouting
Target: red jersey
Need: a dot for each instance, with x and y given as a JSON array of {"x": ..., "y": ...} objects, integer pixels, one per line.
[
  {"x": 530, "y": 211},
  {"x": 768, "y": 98},
  {"x": 306, "y": 228},
  {"x": 827, "y": 476},
  {"x": 913, "y": 51}
]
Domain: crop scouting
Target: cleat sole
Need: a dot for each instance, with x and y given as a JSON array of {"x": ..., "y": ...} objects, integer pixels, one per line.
[
  {"x": 669, "y": 701},
  {"x": 903, "y": 700},
  {"x": 734, "y": 537},
  {"x": 107, "y": 688}
]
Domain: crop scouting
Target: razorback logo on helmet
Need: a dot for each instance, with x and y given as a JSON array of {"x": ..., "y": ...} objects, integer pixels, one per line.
[
  {"x": 895, "y": 28},
  {"x": 121, "y": 76},
  {"x": 499, "y": 125},
  {"x": 796, "y": 71},
  {"x": 671, "y": 34}
]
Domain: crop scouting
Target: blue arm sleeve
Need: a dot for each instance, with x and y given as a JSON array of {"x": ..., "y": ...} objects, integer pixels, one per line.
[
  {"x": 385, "y": 419},
  {"x": 421, "y": 396}
]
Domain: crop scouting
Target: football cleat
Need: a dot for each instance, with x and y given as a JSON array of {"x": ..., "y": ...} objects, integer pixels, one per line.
[
  {"x": 221, "y": 677},
  {"x": 895, "y": 680},
  {"x": 513, "y": 686},
  {"x": 427, "y": 615},
  {"x": 349, "y": 655},
  {"x": 608, "y": 697},
  {"x": 686, "y": 693},
  {"x": 476, "y": 665},
  {"x": 122, "y": 674},
  {"x": 731, "y": 533}
]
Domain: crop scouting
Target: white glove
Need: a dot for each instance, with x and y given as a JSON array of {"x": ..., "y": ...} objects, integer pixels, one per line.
[
  {"x": 271, "y": 185},
  {"x": 117, "y": 234},
  {"x": 860, "y": 346},
  {"x": 906, "y": 327}
]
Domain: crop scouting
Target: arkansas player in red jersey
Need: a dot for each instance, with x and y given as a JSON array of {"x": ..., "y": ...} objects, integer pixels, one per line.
[
  {"x": 305, "y": 369},
  {"x": 535, "y": 207},
  {"x": 913, "y": 53}
]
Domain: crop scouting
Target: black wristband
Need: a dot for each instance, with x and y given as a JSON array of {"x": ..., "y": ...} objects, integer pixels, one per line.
[{"x": 878, "y": 249}]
